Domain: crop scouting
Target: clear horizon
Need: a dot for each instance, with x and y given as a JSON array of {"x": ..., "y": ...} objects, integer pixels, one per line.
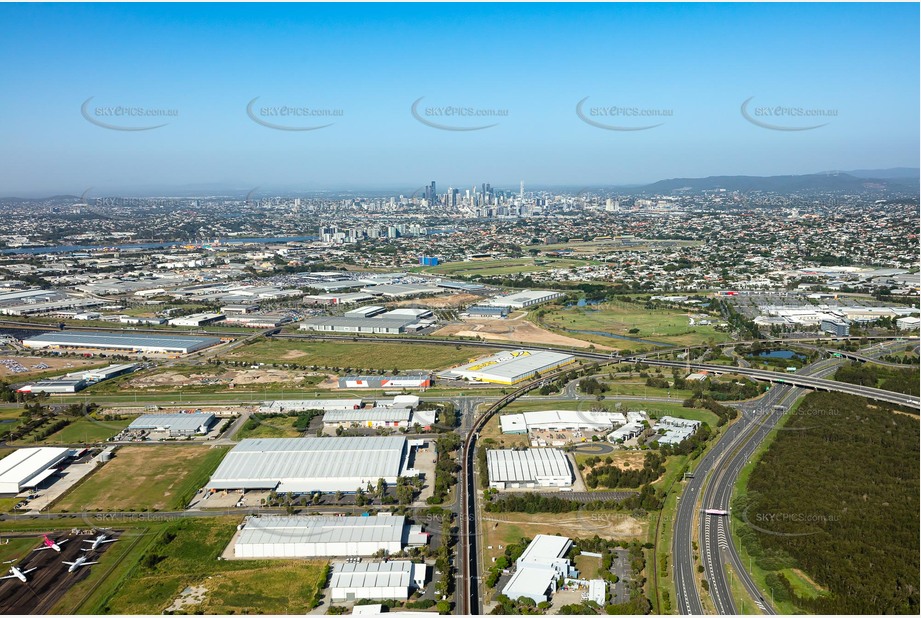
[{"x": 549, "y": 94}]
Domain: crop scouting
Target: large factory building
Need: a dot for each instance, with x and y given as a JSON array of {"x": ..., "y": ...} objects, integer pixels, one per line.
[
  {"x": 314, "y": 536},
  {"x": 307, "y": 465},
  {"x": 510, "y": 367},
  {"x": 119, "y": 342}
]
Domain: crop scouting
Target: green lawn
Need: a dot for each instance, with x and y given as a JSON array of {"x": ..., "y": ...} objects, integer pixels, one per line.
[
  {"x": 87, "y": 431},
  {"x": 357, "y": 355},
  {"x": 272, "y": 427},
  {"x": 186, "y": 555},
  {"x": 145, "y": 477},
  {"x": 509, "y": 266},
  {"x": 668, "y": 326}
]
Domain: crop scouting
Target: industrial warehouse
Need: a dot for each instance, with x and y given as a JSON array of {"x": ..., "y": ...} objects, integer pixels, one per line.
[
  {"x": 540, "y": 567},
  {"x": 529, "y": 468},
  {"x": 26, "y": 468},
  {"x": 525, "y": 298},
  {"x": 303, "y": 405},
  {"x": 409, "y": 381},
  {"x": 379, "y": 417},
  {"x": 305, "y": 465},
  {"x": 120, "y": 342},
  {"x": 316, "y": 536},
  {"x": 395, "y": 579},
  {"x": 510, "y": 367},
  {"x": 78, "y": 380},
  {"x": 560, "y": 420},
  {"x": 174, "y": 425},
  {"x": 372, "y": 319}
]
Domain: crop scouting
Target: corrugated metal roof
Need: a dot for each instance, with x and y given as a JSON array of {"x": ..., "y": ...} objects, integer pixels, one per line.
[
  {"x": 313, "y": 529},
  {"x": 372, "y": 574},
  {"x": 378, "y": 415},
  {"x": 514, "y": 363},
  {"x": 25, "y": 463},
  {"x": 124, "y": 340},
  {"x": 269, "y": 459},
  {"x": 174, "y": 422},
  {"x": 528, "y": 465}
]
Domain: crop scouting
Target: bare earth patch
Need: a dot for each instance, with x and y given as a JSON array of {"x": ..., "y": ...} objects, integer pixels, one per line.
[
  {"x": 438, "y": 302},
  {"x": 229, "y": 378},
  {"x": 520, "y": 331},
  {"x": 37, "y": 364}
]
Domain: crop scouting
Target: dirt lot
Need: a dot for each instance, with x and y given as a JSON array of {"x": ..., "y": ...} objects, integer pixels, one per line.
[
  {"x": 520, "y": 331},
  {"x": 35, "y": 364},
  {"x": 229, "y": 378},
  {"x": 501, "y": 529},
  {"x": 439, "y": 302},
  {"x": 625, "y": 460}
]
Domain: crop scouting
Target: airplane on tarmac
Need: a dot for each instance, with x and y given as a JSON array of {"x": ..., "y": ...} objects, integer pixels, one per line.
[
  {"x": 99, "y": 540},
  {"x": 49, "y": 544},
  {"x": 16, "y": 572},
  {"x": 76, "y": 564}
]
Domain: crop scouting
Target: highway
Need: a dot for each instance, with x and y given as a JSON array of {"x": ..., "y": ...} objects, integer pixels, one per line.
[
  {"x": 800, "y": 380},
  {"x": 717, "y": 475}
]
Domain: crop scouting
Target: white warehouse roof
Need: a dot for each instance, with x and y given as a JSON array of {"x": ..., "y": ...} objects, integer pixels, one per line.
[
  {"x": 26, "y": 467},
  {"x": 511, "y": 366},
  {"x": 301, "y": 405},
  {"x": 560, "y": 419},
  {"x": 121, "y": 341},
  {"x": 367, "y": 575},
  {"x": 175, "y": 423},
  {"x": 304, "y": 536},
  {"x": 302, "y": 465},
  {"x": 527, "y": 466}
]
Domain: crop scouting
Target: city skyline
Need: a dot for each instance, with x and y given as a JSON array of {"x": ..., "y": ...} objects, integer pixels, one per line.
[{"x": 388, "y": 92}]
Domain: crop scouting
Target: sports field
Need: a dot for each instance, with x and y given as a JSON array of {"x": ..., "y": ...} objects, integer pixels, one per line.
[
  {"x": 145, "y": 477},
  {"x": 356, "y": 355}
]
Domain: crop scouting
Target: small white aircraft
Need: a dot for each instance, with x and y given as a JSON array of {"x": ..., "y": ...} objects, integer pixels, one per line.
[
  {"x": 18, "y": 573},
  {"x": 99, "y": 540},
  {"x": 76, "y": 564},
  {"x": 49, "y": 544}
]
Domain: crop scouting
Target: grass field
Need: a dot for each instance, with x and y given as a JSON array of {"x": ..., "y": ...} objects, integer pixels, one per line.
[
  {"x": 510, "y": 266},
  {"x": 145, "y": 477},
  {"x": 274, "y": 427},
  {"x": 87, "y": 431},
  {"x": 665, "y": 326},
  {"x": 186, "y": 555},
  {"x": 356, "y": 355}
]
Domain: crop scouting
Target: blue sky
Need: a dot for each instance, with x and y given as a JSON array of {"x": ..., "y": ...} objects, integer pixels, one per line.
[{"x": 698, "y": 62}]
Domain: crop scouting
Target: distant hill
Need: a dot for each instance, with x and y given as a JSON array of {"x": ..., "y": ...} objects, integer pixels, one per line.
[
  {"x": 892, "y": 172},
  {"x": 831, "y": 181}
]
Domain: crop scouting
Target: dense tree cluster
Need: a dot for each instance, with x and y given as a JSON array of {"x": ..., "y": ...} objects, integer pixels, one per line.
[
  {"x": 646, "y": 499},
  {"x": 907, "y": 381},
  {"x": 446, "y": 467},
  {"x": 839, "y": 499}
]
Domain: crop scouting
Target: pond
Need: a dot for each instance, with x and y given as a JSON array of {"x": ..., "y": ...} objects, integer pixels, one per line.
[{"x": 787, "y": 354}]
